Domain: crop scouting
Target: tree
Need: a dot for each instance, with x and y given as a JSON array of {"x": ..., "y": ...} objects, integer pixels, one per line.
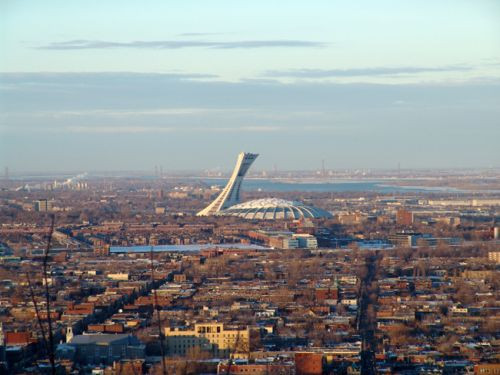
[{"x": 465, "y": 294}]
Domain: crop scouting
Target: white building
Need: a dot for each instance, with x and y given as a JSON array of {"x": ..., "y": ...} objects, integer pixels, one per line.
[{"x": 230, "y": 195}]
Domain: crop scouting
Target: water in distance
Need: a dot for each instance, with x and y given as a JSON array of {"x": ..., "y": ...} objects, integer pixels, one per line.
[{"x": 343, "y": 186}]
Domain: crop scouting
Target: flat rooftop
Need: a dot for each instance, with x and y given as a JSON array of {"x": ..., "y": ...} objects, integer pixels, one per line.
[{"x": 182, "y": 248}]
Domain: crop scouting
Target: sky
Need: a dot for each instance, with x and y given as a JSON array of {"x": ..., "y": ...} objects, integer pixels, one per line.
[{"x": 127, "y": 85}]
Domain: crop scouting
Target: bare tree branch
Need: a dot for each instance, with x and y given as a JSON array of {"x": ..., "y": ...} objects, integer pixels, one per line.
[
  {"x": 37, "y": 312},
  {"x": 157, "y": 308},
  {"x": 47, "y": 296}
]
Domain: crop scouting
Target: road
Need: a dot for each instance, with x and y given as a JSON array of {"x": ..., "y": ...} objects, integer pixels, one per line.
[{"x": 366, "y": 322}]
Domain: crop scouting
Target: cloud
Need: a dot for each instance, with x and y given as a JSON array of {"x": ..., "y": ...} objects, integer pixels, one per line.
[
  {"x": 125, "y": 113},
  {"x": 360, "y": 72},
  {"x": 199, "y": 34},
  {"x": 167, "y": 129},
  {"x": 178, "y": 44},
  {"x": 114, "y": 129},
  {"x": 158, "y": 95},
  {"x": 142, "y": 118},
  {"x": 91, "y": 78}
]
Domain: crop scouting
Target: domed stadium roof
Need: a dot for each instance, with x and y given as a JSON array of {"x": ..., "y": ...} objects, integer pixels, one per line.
[{"x": 273, "y": 208}]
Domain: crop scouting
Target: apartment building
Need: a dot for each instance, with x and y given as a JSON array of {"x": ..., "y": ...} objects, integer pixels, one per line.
[{"x": 212, "y": 337}]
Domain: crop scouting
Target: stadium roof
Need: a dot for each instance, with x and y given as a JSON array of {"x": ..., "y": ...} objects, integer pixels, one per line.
[{"x": 274, "y": 208}]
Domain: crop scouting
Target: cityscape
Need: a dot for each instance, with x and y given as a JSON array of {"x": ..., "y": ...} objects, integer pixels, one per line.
[
  {"x": 402, "y": 280},
  {"x": 250, "y": 188}
]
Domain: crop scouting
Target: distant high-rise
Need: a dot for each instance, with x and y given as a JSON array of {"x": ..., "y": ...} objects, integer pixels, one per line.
[
  {"x": 404, "y": 217},
  {"x": 230, "y": 195},
  {"x": 43, "y": 205}
]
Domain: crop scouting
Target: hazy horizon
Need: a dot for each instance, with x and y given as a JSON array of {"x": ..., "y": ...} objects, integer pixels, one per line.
[{"x": 254, "y": 173}]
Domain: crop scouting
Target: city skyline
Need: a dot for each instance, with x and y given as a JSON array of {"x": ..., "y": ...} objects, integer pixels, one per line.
[{"x": 366, "y": 86}]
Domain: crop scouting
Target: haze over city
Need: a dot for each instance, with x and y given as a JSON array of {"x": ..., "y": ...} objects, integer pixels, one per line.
[{"x": 108, "y": 86}]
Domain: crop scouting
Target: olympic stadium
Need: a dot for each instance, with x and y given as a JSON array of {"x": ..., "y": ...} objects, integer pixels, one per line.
[{"x": 228, "y": 203}]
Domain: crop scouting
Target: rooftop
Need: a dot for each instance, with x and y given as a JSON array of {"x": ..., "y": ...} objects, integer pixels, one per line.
[{"x": 274, "y": 208}]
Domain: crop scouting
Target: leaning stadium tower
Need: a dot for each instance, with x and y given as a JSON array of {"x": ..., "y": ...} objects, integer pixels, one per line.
[{"x": 230, "y": 195}]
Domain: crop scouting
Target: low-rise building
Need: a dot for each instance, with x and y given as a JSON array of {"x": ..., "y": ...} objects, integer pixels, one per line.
[{"x": 103, "y": 348}]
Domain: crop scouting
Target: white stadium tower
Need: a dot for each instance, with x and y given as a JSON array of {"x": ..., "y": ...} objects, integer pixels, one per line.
[
  {"x": 228, "y": 201},
  {"x": 231, "y": 193}
]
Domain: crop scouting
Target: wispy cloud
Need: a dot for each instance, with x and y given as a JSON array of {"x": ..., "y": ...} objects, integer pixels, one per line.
[
  {"x": 115, "y": 129},
  {"x": 123, "y": 113},
  {"x": 168, "y": 129},
  {"x": 360, "y": 72},
  {"x": 200, "y": 34},
  {"x": 178, "y": 44},
  {"x": 57, "y": 77}
]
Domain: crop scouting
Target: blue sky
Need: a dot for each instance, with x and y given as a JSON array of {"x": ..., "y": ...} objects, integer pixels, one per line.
[{"x": 126, "y": 85}]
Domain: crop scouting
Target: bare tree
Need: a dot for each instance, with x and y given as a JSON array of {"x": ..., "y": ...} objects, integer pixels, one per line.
[
  {"x": 240, "y": 346},
  {"x": 37, "y": 312},
  {"x": 156, "y": 307},
  {"x": 47, "y": 296},
  {"x": 48, "y": 343}
]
